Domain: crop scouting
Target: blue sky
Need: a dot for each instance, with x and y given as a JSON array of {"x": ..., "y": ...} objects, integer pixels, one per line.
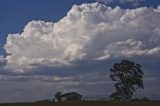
[{"x": 66, "y": 45}]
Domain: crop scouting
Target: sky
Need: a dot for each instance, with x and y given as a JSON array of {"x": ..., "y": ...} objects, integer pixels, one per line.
[{"x": 69, "y": 45}]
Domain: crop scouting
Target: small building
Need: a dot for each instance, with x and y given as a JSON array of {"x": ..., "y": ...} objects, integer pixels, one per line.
[{"x": 72, "y": 96}]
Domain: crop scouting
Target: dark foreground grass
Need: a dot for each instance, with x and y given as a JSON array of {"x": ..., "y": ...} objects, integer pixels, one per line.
[{"x": 91, "y": 103}]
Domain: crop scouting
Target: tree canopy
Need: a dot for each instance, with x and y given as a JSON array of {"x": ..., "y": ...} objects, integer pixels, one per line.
[
  {"x": 127, "y": 76},
  {"x": 57, "y": 95}
]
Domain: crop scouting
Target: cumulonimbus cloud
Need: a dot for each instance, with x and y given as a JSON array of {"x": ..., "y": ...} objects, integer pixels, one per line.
[{"x": 88, "y": 32}]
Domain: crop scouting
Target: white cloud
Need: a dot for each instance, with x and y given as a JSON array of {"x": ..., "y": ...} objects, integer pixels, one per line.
[
  {"x": 128, "y": 48},
  {"x": 88, "y": 32}
]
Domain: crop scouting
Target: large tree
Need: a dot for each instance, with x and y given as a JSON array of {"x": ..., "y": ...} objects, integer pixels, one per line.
[
  {"x": 128, "y": 77},
  {"x": 57, "y": 96}
]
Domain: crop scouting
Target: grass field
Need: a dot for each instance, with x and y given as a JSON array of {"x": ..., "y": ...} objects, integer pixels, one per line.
[{"x": 92, "y": 103}]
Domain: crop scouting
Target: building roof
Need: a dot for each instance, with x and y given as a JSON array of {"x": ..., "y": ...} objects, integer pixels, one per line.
[{"x": 70, "y": 94}]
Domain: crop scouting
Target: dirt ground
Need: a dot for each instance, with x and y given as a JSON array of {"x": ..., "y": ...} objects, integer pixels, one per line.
[{"x": 91, "y": 103}]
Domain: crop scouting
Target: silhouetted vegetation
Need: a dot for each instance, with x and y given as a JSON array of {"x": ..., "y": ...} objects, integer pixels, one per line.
[
  {"x": 57, "y": 96},
  {"x": 128, "y": 77}
]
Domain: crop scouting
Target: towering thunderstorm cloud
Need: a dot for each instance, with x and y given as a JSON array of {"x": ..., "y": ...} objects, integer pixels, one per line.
[{"x": 88, "y": 32}]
